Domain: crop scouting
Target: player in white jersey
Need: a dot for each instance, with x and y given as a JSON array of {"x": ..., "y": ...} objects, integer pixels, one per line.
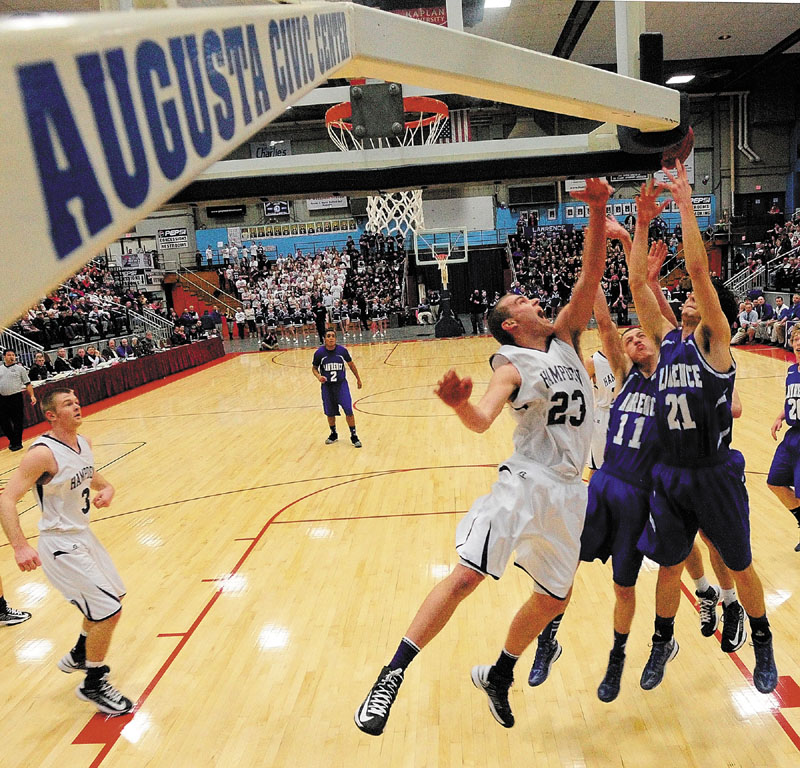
[
  {"x": 537, "y": 505},
  {"x": 604, "y": 384},
  {"x": 59, "y": 466}
]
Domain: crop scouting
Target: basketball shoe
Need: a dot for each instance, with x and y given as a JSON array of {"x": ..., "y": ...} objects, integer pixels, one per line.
[
  {"x": 660, "y": 655},
  {"x": 734, "y": 633},
  {"x": 496, "y": 689},
  {"x": 70, "y": 662},
  {"x": 709, "y": 618},
  {"x": 102, "y": 694},
  {"x": 12, "y": 616},
  {"x": 355, "y": 441},
  {"x": 547, "y": 653},
  {"x": 608, "y": 690},
  {"x": 765, "y": 673},
  {"x": 332, "y": 438},
  {"x": 373, "y": 713}
]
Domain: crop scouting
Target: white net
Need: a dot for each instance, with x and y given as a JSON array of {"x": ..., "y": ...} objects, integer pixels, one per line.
[{"x": 394, "y": 212}]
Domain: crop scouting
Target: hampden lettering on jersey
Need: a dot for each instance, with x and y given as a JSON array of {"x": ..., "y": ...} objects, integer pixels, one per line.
[
  {"x": 557, "y": 373},
  {"x": 214, "y": 81},
  {"x": 80, "y": 476}
]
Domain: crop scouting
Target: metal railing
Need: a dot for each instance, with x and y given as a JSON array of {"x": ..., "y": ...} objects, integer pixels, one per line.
[
  {"x": 744, "y": 280},
  {"x": 140, "y": 325},
  {"x": 24, "y": 348},
  {"x": 157, "y": 320},
  {"x": 214, "y": 293}
]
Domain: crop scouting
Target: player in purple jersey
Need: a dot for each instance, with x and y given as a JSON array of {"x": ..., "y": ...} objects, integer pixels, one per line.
[
  {"x": 784, "y": 474},
  {"x": 329, "y": 368},
  {"x": 698, "y": 481},
  {"x": 619, "y": 491}
]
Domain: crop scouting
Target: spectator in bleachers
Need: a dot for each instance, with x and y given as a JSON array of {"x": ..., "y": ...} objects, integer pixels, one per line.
[
  {"x": 80, "y": 361},
  {"x": 41, "y": 368},
  {"x": 61, "y": 364},
  {"x": 747, "y": 320}
]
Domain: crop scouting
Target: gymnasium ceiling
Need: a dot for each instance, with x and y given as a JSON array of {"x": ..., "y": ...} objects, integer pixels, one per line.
[{"x": 754, "y": 28}]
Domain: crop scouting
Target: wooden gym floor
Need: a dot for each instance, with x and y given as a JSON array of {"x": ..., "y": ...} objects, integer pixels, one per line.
[{"x": 271, "y": 576}]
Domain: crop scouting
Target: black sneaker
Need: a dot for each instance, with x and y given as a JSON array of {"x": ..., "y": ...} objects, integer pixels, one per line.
[
  {"x": 660, "y": 655},
  {"x": 765, "y": 673},
  {"x": 608, "y": 690},
  {"x": 547, "y": 653},
  {"x": 355, "y": 441},
  {"x": 734, "y": 633},
  {"x": 797, "y": 548},
  {"x": 69, "y": 663},
  {"x": 373, "y": 713},
  {"x": 104, "y": 696},
  {"x": 707, "y": 603},
  {"x": 13, "y": 616},
  {"x": 497, "y": 691},
  {"x": 331, "y": 439}
]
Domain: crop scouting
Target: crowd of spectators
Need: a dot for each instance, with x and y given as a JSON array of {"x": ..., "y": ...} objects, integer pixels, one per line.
[
  {"x": 296, "y": 295},
  {"x": 779, "y": 241},
  {"x": 547, "y": 264},
  {"x": 87, "y": 307}
]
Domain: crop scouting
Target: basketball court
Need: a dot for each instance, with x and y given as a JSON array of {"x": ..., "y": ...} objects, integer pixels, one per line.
[
  {"x": 262, "y": 601},
  {"x": 269, "y": 575}
]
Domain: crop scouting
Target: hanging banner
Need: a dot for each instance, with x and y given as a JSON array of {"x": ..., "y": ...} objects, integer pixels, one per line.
[
  {"x": 326, "y": 203},
  {"x": 259, "y": 149},
  {"x": 169, "y": 239}
]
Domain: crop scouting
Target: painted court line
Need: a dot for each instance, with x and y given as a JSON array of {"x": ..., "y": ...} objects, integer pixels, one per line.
[{"x": 106, "y": 731}]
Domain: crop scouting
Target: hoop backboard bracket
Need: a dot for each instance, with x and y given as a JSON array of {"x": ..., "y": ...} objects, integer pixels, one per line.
[
  {"x": 377, "y": 110},
  {"x": 428, "y": 242}
]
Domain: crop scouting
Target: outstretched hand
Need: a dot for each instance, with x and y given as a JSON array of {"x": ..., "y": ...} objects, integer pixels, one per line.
[
  {"x": 615, "y": 230},
  {"x": 655, "y": 260},
  {"x": 452, "y": 390},
  {"x": 596, "y": 193},
  {"x": 647, "y": 205},
  {"x": 678, "y": 185},
  {"x": 776, "y": 427}
]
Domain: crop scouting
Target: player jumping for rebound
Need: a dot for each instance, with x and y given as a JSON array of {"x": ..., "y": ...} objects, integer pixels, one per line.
[
  {"x": 537, "y": 505},
  {"x": 698, "y": 481},
  {"x": 328, "y": 366}
]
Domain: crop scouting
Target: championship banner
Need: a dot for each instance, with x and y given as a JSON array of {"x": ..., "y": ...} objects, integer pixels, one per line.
[
  {"x": 326, "y": 203},
  {"x": 106, "y": 116}
]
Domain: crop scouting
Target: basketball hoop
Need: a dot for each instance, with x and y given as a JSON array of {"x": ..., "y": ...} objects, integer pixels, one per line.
[
  {"x": 442, "y": 258},
  {"x": 401, "y": 211}
]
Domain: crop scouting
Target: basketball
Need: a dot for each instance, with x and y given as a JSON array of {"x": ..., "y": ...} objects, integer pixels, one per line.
[{"x": 679, "y": 151}]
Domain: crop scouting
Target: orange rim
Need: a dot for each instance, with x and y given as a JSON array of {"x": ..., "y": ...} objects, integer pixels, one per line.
[{"x": 340, "y": 114}]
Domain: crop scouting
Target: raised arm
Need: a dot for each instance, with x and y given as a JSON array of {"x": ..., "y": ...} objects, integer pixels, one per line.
[
  {"x": 455, "y": 392},
  {"x": 713, "y": 330},
  {"x": 610, "y": 340},
  {"x": 647, "y": 306},
  {"x": 574, "y": 318},
  {"x": 655, "y": 260}
]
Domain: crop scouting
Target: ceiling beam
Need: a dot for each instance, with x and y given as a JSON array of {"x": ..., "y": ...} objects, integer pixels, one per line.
[{"x": 579, "y": 17}]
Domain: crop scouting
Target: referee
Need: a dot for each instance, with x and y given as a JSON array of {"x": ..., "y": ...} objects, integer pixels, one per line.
[{"x": 13, "y": 379}]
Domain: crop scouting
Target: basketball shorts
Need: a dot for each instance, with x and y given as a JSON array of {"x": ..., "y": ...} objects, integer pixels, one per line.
[
  {"x": 334, "y": 395},
  {"x": 79, "y": 567},
  {"x": 534, "y": 512},
  {"x": 785, "y": 467},
  {"x": 687, "y": 498},
  {"x": 599, "y": 432},
  {"x": 615, "y": 517}
]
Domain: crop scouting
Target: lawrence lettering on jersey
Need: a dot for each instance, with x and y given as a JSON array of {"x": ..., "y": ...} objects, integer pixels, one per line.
[
  {"x": 631, "y": 447},
  {"x": 332, "y": 363},
  {"x": 693, "y": 404},
  {"x": 64, "y": 501},
  {"x": 791, "y": 407},
  {"x": 552, "y": 407},
  {"x": 604, "y": 381}
]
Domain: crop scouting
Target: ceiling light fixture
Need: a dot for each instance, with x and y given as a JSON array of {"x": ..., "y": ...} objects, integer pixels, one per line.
[
  {"x": 496, "y": 3},
  {"x": 724, "y": 37},
  {"x": 680, "y": 79}
]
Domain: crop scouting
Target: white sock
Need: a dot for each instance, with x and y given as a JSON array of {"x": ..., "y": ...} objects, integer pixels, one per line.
[
  {"x": 90, "y": 664},
  {"x": 728, "y": 596},
  {"x": 701, "y": 585}
]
